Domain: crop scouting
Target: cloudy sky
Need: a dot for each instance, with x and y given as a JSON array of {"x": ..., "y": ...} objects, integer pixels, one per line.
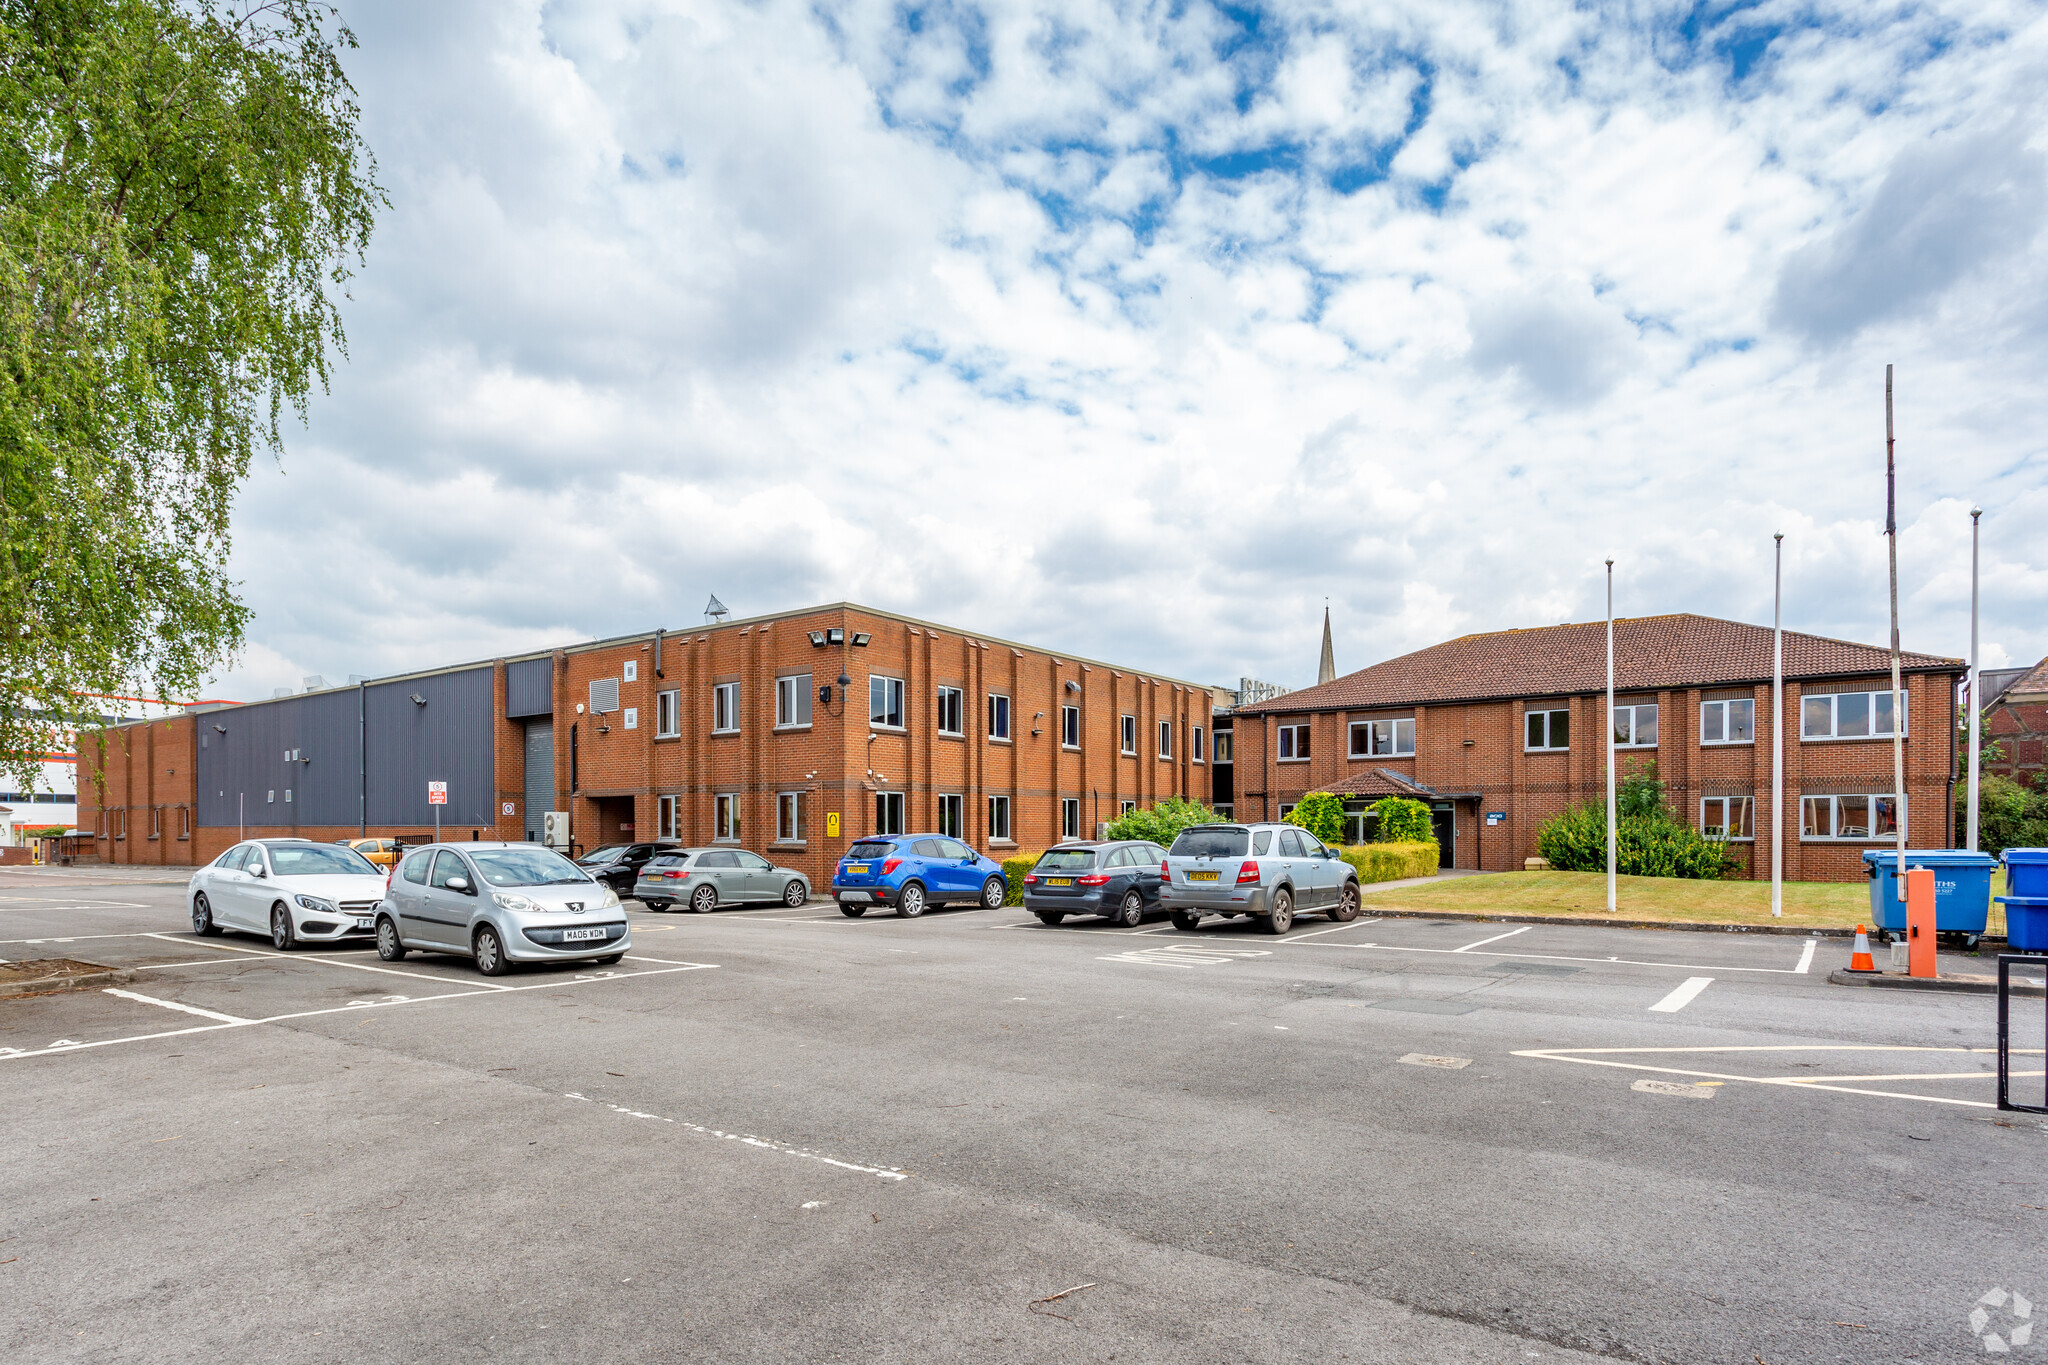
[{"x": 1139, "y": 330}]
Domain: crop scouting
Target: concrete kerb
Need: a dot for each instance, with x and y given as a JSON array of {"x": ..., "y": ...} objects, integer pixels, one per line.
[
  {"x": 1965, "y": 983},
  {"x": 1603, "y": 922}
]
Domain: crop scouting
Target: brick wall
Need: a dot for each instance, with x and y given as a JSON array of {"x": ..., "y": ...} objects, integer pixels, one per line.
[
  {"x": 136, "y": 794},
  {"x": 2020, "y": 728}
]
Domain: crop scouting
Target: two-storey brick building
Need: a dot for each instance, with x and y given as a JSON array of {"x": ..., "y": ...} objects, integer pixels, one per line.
[
  {"x": 791, "y": 734},
  {"x": 2016, "y": 720},
  {"x": 1499, "y": 732}
]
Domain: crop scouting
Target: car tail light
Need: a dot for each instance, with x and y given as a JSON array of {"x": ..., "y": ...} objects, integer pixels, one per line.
[
  {"x": 1164, "y": 870},
  {"x": 891, "y": 866},
  {"x": 1247, "y": 871},
  {"x": 1093, "y": 879},
  {"x": 1030, "y": 879}
]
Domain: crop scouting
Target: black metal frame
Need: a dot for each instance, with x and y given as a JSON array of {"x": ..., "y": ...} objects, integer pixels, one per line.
[{"x": 2006, "y": 962}]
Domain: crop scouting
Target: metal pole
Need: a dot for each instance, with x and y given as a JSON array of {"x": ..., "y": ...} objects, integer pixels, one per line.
[
  {"x": 1976, "y": 677},
  {"x": 1778, "y": 732},
  {"x": 1891, "y": 531},
  {"x": 1611, "y": 821},
  {"x": 239, "y": 822}
]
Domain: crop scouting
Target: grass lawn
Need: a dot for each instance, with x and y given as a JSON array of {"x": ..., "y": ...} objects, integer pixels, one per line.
[{"x": 1808, "y": 905}]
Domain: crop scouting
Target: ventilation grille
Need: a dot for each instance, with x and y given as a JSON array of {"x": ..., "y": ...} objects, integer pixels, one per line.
[{"x": 604, "y": 696}]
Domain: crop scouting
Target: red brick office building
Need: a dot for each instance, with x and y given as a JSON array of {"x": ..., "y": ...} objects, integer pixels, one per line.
[
  {"x": 791, "y": 734},
  {"x": 1498, "y": 732}
]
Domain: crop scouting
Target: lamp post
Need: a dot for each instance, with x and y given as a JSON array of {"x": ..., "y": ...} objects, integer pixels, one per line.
[
  {"x": 1778, "y": 730},
  {"x": 1891, "y": 534},
  {"x": 1976, "y": 704},
  {"x": 1611, "y": 822}
]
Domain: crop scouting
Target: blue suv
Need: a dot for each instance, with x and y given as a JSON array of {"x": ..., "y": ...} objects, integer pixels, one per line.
[{"x": 912, "y": 871}]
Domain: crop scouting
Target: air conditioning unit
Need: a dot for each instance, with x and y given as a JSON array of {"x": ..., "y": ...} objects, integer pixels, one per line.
[
  {"x": 554, "y": 829},
  {"x": 1102, "y": 829}
]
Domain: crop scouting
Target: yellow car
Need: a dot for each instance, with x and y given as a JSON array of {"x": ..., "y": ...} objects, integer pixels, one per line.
[{"x": 382, "y": 852}]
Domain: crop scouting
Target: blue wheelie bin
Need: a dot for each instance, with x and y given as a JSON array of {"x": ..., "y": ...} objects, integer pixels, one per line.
[
  {"x": 1962, "y": 891},
  {"x": 2026, "y": 907}
]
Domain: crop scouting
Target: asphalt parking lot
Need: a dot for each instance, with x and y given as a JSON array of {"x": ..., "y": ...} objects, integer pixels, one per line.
[{"x": 784, "y": 1135}]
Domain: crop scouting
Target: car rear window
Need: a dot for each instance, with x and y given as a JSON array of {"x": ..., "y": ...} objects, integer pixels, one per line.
[
  {"x": 1066, "y": 860},
  {"x": 668, "y": 860},
  {"x": 1209, "y": 843},
  {"x": 869, "y": 850}
]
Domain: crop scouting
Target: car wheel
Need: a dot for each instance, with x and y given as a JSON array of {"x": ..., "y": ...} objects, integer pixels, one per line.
[
  {"x": 389, "y": 946},
  {"x": 1131, "y": 913},
  {"x": 794, "y": 895},
  {"x": 993, "y": 893},
  {"x": 281, "y": 928},
  {"x": 1346, "y": 908},
  {"x": 1280, "y": 918},
  {"x": 656, "y": 907},
  {"x": 608, "y": 960},
  {"x": 704, "y": 899},
  {"x": 1183, "y": 920},
  {"x": 490, "y": 954},
  {"x": 852, "y": 911},
  {"x": 202, "y": 916},
  {"x": 910, "y": 902},
  {"x": 1050, "y": 916}
]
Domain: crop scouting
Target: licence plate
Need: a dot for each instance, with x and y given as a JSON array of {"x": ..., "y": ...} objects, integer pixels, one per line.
[
  {"x": 1204, "y": 876},
  {"x": 579, "y": 935},
  {"x": 1059, "y": 881},
  {"x": 857, "y": 867},
  {"x": 362, "y": 921}
]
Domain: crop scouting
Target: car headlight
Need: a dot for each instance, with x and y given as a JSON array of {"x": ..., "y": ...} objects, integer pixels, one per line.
[
  {"x": 316, "y": 905},
  {"x": 511, "y": 900},
  {"x": 610, "y": 901}
]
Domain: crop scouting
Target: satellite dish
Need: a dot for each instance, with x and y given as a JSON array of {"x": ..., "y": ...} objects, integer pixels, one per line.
[{"x": 714, "y": 610}]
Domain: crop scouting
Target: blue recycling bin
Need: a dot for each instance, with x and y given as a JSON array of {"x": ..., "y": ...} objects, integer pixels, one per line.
[
  {"x": 1962, "y": 890},
  {"x": 2026, "y": 905},
  {"x": 2026, "y": 871}
]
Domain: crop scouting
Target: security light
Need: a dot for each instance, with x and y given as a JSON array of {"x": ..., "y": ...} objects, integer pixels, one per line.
[
  {"x": 1073, "y": 686},
  {"x": 817, "y": 638},
  {"x": 835, "y": 636},
  {"x": 861, "y": 639},
  {"x": 418, "y": 700}
]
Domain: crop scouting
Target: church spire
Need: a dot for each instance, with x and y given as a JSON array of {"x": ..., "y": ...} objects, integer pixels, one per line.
[{"x": 1327, "y": 670}]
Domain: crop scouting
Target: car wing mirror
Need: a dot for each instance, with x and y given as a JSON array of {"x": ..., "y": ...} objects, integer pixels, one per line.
[
  {"x": 258, "y": 872},
  {"x": 457, "y": 884}
]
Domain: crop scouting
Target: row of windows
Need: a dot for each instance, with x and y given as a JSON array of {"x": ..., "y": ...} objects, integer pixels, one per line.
[
  {"x": 1861, "y": 816},
  {"x": 792, "y": 823}
]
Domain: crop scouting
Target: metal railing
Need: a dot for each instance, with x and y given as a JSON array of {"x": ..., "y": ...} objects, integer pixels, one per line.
[{"x": 2006, "y": 962}]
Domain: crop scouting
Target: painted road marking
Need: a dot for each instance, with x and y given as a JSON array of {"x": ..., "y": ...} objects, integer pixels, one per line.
[
  {"x": 1495, "y": 939},
  {"x": 768, "y": 1144},
  {"x": 174, "y": 1005},
  {"x": 1597, "y": 1056},
  {"x": 1184, "y": 955},
  {"x": 1806, "y": 956},
  {"x": 1558, "y": 957},
  {"x": 324, "y": 959},
  {"x": 1685, "y": 1092},
  {"x": 1682, "y": 996},
  {"x": 1446, "y": 1063},
  {"x": 1354, "y": 924}
]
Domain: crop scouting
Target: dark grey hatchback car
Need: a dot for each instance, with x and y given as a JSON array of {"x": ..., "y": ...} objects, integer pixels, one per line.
[{"x": 1117, "y": 880}]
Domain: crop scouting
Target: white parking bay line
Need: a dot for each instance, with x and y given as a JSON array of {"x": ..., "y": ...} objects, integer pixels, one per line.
[
  {"x": 1806, "y": 956},
  {"x": 1682, "y": 996},
  {"x": 320, "y": 958},
  {"x": 1495, "y": 939},
  {"x": 182, "y": 1009},
  {"x": 1354, "y": 924}
]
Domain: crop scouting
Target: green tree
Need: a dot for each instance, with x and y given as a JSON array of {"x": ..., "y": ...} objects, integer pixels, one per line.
[
  {"x": 1163, "y": 822},
  {"x": 1321, "y": 814},
  {"x": 182, "y": 193},
  {"x": 2009, "y": 815},
  {"x": 1402, "y": 820}
]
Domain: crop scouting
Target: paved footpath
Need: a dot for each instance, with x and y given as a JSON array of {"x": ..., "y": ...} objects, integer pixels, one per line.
[{"x": 783, "y": 1135}]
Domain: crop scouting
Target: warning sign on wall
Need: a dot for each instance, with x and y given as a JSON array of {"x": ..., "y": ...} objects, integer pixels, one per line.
[{"x": 831, "y": 824}]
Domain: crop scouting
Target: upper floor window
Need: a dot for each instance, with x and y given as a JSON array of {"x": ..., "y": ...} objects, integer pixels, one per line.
[
  {"x": 1728, "y": 722},
  {"x": 885, "y": 702},
  {"x": 950, "y": 706},
  {"x": 1128, "y": 736},
  {"x": 1293, "y": 743},
  {"x": 1224, "y": 739},
  {"x": 793, "y": 701},
  {"x": 998, "y": 716},
  {"x": 1847, "y": 715},
  {"x": 1382, "y": 738},
  {"x": 1547, "y": 730},
  {"x": 1166, "y": 739},
  {"x": 725, "y": 708},
  {"x": 1070, "y": 726},
  {"x": 1195, "y": 743},
  {"x": 1635, "y": 727},
  {"x": 667, "y": 722}
]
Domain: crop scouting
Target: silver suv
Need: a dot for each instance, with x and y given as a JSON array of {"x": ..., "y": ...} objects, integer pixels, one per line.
[
  {"x": 500, "y": 904},
  {"x": 1266, "y": 872}
]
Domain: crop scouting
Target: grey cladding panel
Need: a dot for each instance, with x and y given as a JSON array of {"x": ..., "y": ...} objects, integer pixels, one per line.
[
  {"x": 446, "y": 740},
  {"x": 530, "y": 688},
  {"x": 243, "y": 751}
]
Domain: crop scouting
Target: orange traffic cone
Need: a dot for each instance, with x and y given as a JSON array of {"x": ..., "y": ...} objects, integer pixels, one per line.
[{"x": 1859, "y": 960}]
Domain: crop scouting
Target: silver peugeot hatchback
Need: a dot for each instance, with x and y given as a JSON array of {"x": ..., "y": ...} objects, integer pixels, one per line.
[
  {"x": 1261, "y": 871},
  {"x": 501, "y": 904}
]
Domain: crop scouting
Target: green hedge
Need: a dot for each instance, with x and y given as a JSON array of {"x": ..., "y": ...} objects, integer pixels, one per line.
[
  {"x": 1650, "y": 845},
  {"x": 1392, "y": 862},
  {"x": 1403, "y": 820},
  {"x": 1014, "y": 870}
]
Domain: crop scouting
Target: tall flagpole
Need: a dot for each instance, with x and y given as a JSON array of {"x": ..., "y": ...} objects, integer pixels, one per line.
[
  {"x": 1778, "y": 733},
  {"x": 1976, "y": 680},
  {"x": 1610, "y": 738},
  {"x": 1891, "y": 532}
]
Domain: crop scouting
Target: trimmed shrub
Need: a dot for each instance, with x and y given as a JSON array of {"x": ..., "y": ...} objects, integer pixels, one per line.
[
  {"x": 1321, "y": 814},
  {"x": 1163, "y": 822},
  {"x": 1013, "y": 872},
  {"x": 1403, "y": 820},
  {"x": 1385, "y": 862},
  {"x": 1645, "y": 845}
]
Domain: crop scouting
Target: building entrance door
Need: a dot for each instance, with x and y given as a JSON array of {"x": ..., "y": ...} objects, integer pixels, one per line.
[
  {"x": 540, "y": 775},
  {"x": 1443, "y": 822}
]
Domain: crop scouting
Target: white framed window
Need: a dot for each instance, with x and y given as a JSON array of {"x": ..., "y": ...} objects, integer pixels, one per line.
[
  {"x": 1848, "y": 715},
  {"x": 998, "y": 716},
  {"x": 726, "y": 827},
  {"x": 1127, "y": 736},
  {"x": 1732, "y": 721},
  {"x": 1195, "y": 743},
  {"x": 725, "y": 708},
  {"x": 952, "y": 815},
  {"x": 184, "y": 822},
  {"x": 668, "y": 720},
  {"x": 888, "y": 812},
  {"x": 630, "y": 670},
  {"x": 789, "y": 818},
  {"x": 1070, "y": 727},
  {"x": 1382, "y": 738},
  {"x": 1224, "y": 745},
  {"x": 1286, "y": 809},
  {"x": 1546, "y": 731},
  {"x": 999, "y": 818},
  {"x": 632, "y": 714},
  {"x": 1728, "y": 817},
  {"x": 1293, "y": 744},
  {"x": 1070, "y": 817},
  {"x": 793, "y": 702},
  {"x": 1166, "y": 739},
  {"x": 1849, "y": 817},
  {"x": 952, "y": 702},
  {"x": 885, "y": 708},
  {"x": 1126, "y": 807},
  {"x": 668, "y": 817},
  {"x": 1635, "y": 727}
]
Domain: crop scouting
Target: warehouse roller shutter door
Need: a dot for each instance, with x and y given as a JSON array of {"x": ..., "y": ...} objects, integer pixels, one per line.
[{"x": 540, "y": 775}]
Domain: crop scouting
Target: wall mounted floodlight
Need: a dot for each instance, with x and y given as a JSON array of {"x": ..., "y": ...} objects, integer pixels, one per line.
[
  {"x": 835, "y": 636},
  {"x": 1073, "y": 686},
  {"x": 221, "y": 728},
  {"x": 817, "y": 638},
  {"x": 418, "y": 700},
  {"x": 860, "y": 639}
]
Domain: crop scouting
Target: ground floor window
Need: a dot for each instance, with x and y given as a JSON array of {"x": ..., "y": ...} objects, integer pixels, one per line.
[
  {"x": 667, "y": 818},
  {"x": 1727, "y": 817},
  {"x": 1070, "y": 818},
  {"x": 1849, "y": 817},
  {"x": 1286, "y": 809},
  {"x": 951, "y": 815},
  {"x": 789, "y": 817},
  {"x": 1355, "y": 825},
  {"x": 1127, "y": 807},
  {"x": 727, "y": 826},
  {"x": 999, "y": 817},
  {"x": 1225, "y": 809},
  {"x": 888, "y": 812}
]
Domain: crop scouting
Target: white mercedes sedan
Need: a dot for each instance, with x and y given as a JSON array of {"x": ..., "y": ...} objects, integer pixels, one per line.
[{"x": 293, "y": 890}]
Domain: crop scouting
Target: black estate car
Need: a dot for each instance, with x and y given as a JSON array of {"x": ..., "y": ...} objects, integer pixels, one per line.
[{"x": 1118, "y": 880}]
